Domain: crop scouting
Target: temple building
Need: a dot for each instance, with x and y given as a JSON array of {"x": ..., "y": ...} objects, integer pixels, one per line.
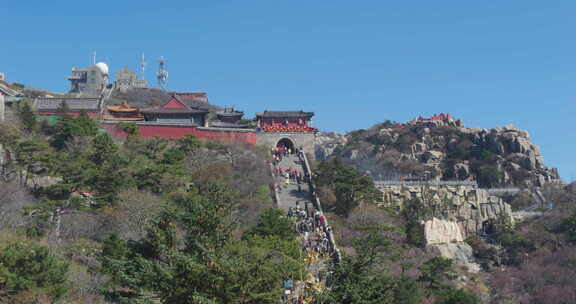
[
  {"x": 285, "y": 121},
  {"x": 229, "y": 118},
  {"x": 124, "y": 112},
  {"x": 89, "y": 81},
  {"x": 286, "y": 129},
  {"x": 127, "y": 79},
  {"x": 176, "y": 112}
]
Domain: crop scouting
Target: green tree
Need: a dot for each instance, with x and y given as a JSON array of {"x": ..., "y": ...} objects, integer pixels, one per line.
[
  {"x": 69, "y": 127},
  {"x": 358, "y": 280},
  {"x": 456, "y": 296},
  {"x": 273, "y": 222},
  {"x": 261, "y": 264},
  {"x": 29, "y": 266},
  {"x": 407, "y": 291},
  {"x": 108, "y": 180},
  {"x": 489, "y": 176},
  {"x": 129, "y": 128},
  {"x": 104, "y": 148},
  {"x": 415, "y": 211},
  {"x": 30, "y": 158},
  {"x": 201, "y": 263},
  {"x": 83, "y": 125},
  {"x": 26, "y": 115},
  {"x": 516, "y": 246},
  {"x": 437, "y": 272},
  {"x": 350, "y": 187},
  {"x": 568, "y": 227},
  {"x": 189, "y": 143}
]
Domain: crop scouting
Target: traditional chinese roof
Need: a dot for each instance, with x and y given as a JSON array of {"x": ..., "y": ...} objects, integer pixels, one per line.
[
  {"x": 174, "y": 105},
  {"x": 165, "y": 111},
  {"x": 186, "y": 97},
  {"x": 124, "y": 107},
  {"x": 6, "y": 91},
  {"x": 230, "y": 112},
  {"x": 222, "y": 124},
  {"x": 285, "y": 114},
  {"x": 74, "y": 104}
]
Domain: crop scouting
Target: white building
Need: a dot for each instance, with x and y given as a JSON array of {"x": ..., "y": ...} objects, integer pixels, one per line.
[{"x": 89, "y": 81}]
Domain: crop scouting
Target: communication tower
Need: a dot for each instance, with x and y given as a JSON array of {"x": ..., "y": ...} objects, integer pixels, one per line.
[
  {"x": 143, "y": 68},
  {"x": 162, "y": 75}
]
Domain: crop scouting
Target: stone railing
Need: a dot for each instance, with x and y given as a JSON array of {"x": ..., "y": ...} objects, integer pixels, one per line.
[
  {"x": 273, "y": 185},
  {"x": 503, "y": 191},
  {"x": 425, "y": 183},
  {"x": 336, "y": 252}
]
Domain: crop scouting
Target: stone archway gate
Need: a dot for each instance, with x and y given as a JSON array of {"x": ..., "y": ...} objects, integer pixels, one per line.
[{"x": 304, "y": 140}]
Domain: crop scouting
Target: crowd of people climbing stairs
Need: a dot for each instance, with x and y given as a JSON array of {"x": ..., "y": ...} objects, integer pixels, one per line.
[
  {"x": 314, "y": 233},
  {"x": 312, "y": 228}
]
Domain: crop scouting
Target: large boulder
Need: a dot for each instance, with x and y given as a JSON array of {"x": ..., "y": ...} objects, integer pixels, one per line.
[
  {"x": 444, "y": 238},
  {"x": 437, "y": 231}
]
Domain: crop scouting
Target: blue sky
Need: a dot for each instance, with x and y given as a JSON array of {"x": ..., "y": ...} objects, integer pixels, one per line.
[{"x": 354, "y": 63}]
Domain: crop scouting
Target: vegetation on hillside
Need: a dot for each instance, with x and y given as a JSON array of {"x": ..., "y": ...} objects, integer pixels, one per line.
[
  {"x": 381, "y": 263},
  {"x": 138, "y": 221},
  {"x": 537, "y": 259},
  {"x": 87, "y": 219},
  {"x": 529, "y": 262}
]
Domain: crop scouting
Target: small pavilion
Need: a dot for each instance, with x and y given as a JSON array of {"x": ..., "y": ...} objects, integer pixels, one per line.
[{"x": 123, "y": 112}]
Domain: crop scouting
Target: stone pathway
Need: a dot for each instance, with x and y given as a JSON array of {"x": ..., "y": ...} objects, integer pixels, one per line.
[
  {"x": 287, "y": 198},
  {"x": 289, "y": 194}
]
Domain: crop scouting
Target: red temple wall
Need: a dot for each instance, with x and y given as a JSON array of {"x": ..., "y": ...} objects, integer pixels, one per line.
[{"x": 174, "y": 132}]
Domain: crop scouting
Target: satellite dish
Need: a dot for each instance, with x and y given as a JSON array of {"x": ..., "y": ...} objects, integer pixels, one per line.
[{"x": 103, "y": 68}]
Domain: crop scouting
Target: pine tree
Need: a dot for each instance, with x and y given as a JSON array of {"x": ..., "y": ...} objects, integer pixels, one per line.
[{"x": 26, "y": 115}]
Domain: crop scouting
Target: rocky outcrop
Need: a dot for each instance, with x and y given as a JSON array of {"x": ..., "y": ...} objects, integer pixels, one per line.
[
  {"x": 466, "y": 205},
  {"x": 449, "y": 212},
  {"x": 326, "y": 143},
  {"x": 460, "y": 252},
  {"x": 444, "y": 238},
  {"x": 443, "y": 146},
  {"x": 437, "y": 231}
]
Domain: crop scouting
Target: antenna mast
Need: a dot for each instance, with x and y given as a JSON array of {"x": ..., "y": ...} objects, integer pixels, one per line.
[
  {"x": 143, "y": 68},
  {"x": 94, "y": 57},
  {"x": 162, "y": 75}
]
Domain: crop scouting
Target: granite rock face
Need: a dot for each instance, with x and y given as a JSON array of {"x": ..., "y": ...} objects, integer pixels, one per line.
[
  {"x": 444, "y": 238},
  {"x": 326, "y": 143},
  {"x": 465, "y": 205},
  {"x": 461, "y": 253},
  {"x": 442, "y": 146},
  {"x": 437, "y": 231},
  {"x": 449, "y": 213}
]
